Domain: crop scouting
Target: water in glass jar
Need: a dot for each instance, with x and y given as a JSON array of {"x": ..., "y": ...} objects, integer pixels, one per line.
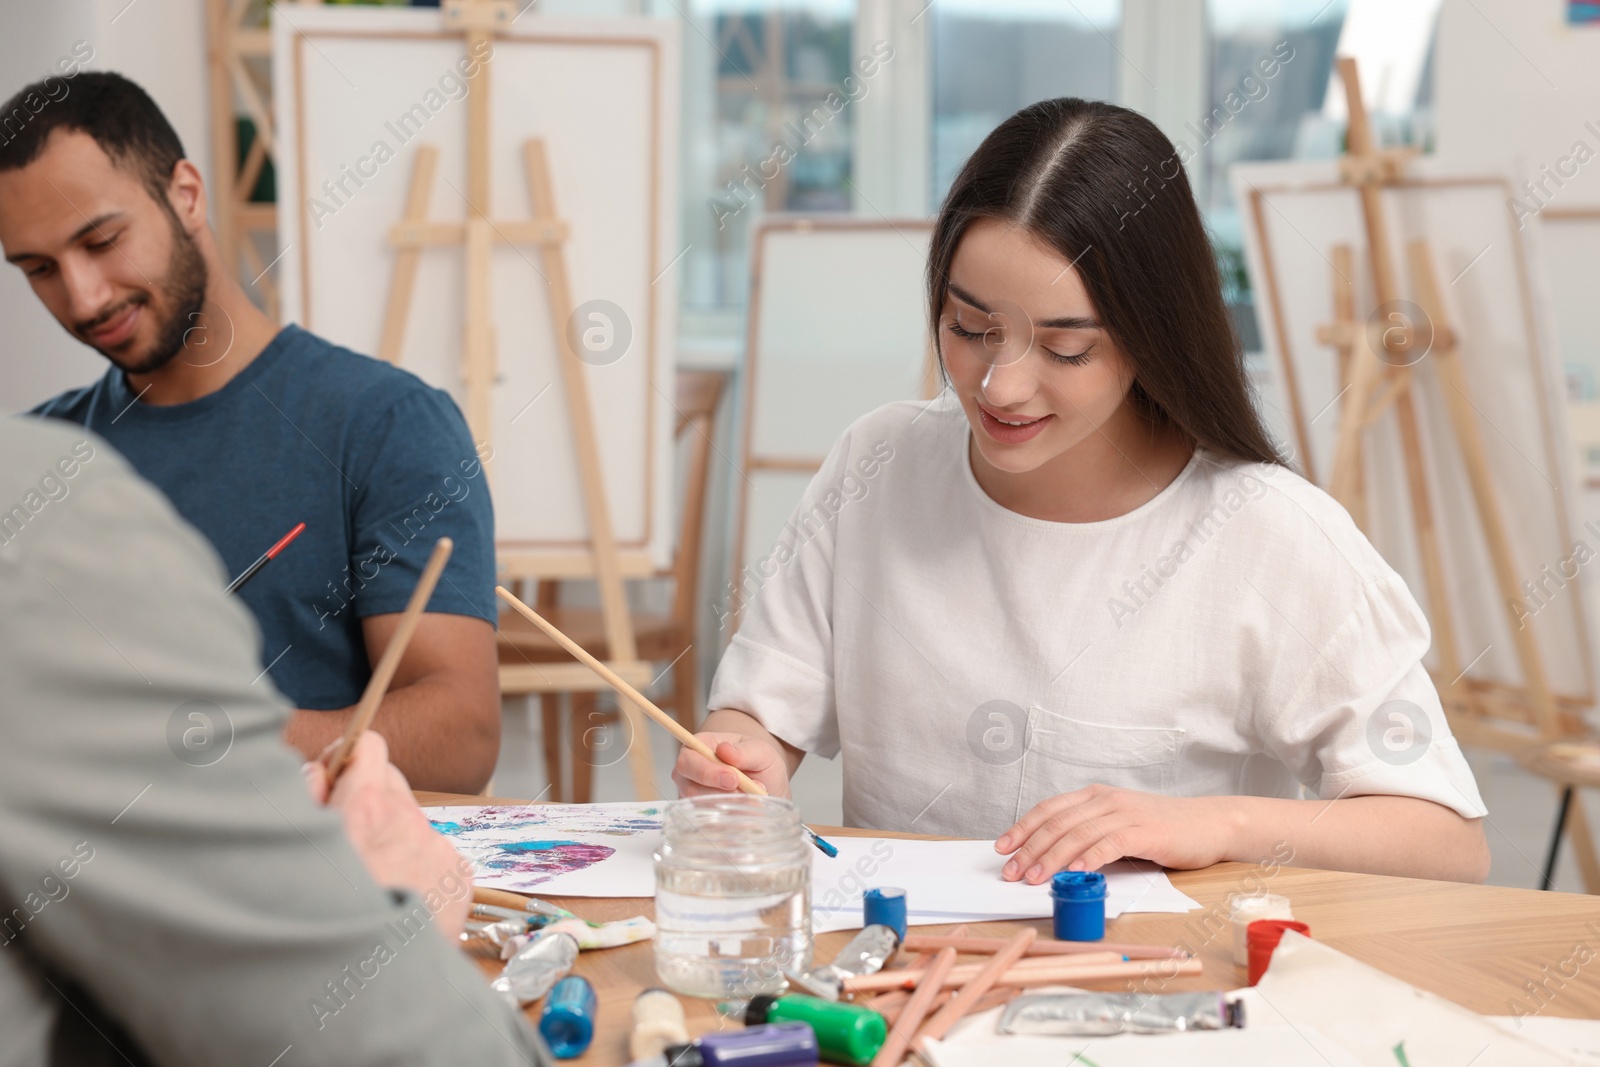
[{"x": 733, "y": 897}]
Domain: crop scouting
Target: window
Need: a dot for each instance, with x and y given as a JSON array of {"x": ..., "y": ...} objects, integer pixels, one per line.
[
  {"x": 768, "y": 127},
  {"x": 993, "y": 57},
  {"x": 1298, "y": 112}
]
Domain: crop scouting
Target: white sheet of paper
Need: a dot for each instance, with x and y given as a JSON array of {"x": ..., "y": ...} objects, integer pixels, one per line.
[
  {"x": 606, "y": 850},
  {"x": 1370, "y": 1013},
  {"x": 558, "y": 850},
  {"x": 1578, "y": 1037},
  {"x": 957, "y": 881}
]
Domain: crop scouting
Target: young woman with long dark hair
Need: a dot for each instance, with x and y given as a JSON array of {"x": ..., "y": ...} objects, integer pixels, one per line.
[{"x": 1079, "y": 604}]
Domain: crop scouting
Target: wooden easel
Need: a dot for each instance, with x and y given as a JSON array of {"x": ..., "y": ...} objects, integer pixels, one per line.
[
  {"x": 1479, "y": 711},
  {"x": 478, "y": 21}
]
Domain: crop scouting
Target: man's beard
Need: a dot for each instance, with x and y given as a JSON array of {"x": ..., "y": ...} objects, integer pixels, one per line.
[{"x": 184, "y": 288}]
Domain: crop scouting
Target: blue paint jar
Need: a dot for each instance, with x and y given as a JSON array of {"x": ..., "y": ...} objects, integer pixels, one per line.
[
  {"x": 885, "y": 907},
  {"x": 567, "y": 1022},
  {"x": 1080, "y": 905}
]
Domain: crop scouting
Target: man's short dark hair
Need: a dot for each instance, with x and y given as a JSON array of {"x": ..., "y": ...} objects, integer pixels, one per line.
[{"x": 120, "y": 116}]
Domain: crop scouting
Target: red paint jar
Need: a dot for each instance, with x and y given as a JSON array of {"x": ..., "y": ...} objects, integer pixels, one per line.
[{"x": 1263, "y": 936}]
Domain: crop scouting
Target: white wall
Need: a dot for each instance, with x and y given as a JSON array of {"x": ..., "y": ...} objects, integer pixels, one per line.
[{"x": 161, "y": 45}]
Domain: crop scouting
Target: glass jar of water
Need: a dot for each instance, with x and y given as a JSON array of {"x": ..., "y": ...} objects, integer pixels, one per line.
[{"x": 733, "y": 896}]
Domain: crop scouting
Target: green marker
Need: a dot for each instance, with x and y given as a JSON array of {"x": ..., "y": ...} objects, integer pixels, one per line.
[{"x": 846, "y": 1033}]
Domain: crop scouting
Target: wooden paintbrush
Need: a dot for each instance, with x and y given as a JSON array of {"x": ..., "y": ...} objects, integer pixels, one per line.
[{"x": 616, "y": 681}]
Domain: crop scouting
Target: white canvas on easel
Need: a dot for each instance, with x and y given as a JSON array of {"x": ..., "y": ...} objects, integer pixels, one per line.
[
  {"x": 1295, "y": 215},
  {"x": 837, "y": 327},
  {"x": 603, "y": 97}
]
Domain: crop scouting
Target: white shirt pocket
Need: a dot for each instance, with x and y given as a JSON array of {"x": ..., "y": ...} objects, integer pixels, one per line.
[{"x": 1063, "y": 754}]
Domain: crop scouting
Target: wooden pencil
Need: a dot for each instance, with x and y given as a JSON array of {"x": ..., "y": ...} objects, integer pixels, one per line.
[
  {"x": 934, "y": 942},
  {"x": 993, "y": 999},
  {"x": 906, "y": 979},
  {"x": 378, "y": 684},
  {"x": 894, "y": 1003},
  {"x": 889, "y": 1004},
  {"x": 1023, "y": 977},
  {"x": 916, "y": 1009},
  {"x": 977, "y": 986}
]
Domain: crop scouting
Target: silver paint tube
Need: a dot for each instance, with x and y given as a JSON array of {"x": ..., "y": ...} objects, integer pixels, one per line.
[
  {"x": 530, "y": 973},
  {"x": 866, "y": 954},
  {"x": 1099, "y": 1014}
]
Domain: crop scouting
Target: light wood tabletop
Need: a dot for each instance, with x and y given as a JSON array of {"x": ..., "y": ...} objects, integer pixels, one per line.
[{"x": 1496, "y": 951}]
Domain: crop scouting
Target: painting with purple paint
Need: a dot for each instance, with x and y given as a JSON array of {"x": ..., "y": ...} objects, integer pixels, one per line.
[{"x": 580, "y": 850}]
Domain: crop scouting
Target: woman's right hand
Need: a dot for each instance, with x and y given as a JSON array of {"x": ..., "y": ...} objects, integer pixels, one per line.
[{"x": 760, "y": 759}]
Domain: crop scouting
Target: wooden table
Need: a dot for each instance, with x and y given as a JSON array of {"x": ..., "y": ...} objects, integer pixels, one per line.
[{"x": 1477, "y": 945}]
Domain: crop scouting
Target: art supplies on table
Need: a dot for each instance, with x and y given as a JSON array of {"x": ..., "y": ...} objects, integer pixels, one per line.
[
  {"x": 1245, "y": 909},
  {"x": 589, "y": 935},
  {"x": 958, "y": 881},
  {"x": 1078, "y": 905},
  {"x": 773, "y": 1045},
  {"x": 657, "y": 1022},
  {"x": 1314, "y": 1007},
  {"x": 846, "y": 1033},
  {"x": 934, "y": 942},
  {"x": 928, "y": 985},
  {"x": 1102, "y": 1014},
  {"x": 607, "y": 850},
  {"x": 885, "y": 906},
  {"x": 866, "y": 953},
  {"x": 567, "y": 1020},
  {"x": 1029, "y": 973},
  {"x": 569, "y": 850},
  {"x": 1262, "y": 938},
  {"x": 733, "y": 882},
  {"x": 542, "y": 962},
  {"x": 976, "y": 987}
]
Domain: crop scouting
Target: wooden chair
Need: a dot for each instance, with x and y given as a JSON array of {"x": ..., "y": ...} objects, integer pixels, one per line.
[{"x": 668, "y": 639}]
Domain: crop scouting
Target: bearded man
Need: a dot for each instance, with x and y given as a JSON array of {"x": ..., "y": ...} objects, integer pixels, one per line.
[{"x": 249, "y": 429}]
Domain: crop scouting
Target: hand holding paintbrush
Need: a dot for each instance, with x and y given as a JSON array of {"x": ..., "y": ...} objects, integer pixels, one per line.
[
  {"x": 612, "y": 678},
  {"x": 381, "y": 818}
]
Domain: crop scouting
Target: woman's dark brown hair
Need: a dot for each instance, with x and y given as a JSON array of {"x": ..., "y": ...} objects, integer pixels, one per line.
[{"x": 1105, "y": 188}]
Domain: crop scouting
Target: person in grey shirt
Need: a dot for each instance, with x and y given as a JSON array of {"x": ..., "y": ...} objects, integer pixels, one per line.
[{"x": 173, "y": 890}]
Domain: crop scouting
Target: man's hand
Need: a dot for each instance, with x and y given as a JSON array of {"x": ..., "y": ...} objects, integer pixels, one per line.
[
  {"x": 1088, "y": 828},
  {"x": 698, "y": 776},
  {"x": 390, "y": 833}
]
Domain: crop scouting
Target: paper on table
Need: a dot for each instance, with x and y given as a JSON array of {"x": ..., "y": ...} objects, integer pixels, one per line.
[
  {"x": 606, "y": 850},
  {"x": 956, "y": 881},
  {"x": 1315, "y": 1007},
  {"x": 559, "y": 850},
  {"x": 1576, "y": 1037},
  {"x": 1369, "y": 1012}
]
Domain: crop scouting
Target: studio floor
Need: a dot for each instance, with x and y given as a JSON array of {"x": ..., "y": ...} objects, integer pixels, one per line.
[{"x": 1521, "y": 805}]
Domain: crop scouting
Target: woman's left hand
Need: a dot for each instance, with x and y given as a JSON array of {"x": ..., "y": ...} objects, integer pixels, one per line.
[{"x": 1090, "y": 827}]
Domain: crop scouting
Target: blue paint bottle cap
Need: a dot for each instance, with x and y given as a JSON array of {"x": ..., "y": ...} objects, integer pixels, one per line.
[
  {"x": 1079, "y": 905},
  {"x": 567, "y": 1022},
  {"x": 1078, "y": 885},
  {"x": 885, "y": 906}
]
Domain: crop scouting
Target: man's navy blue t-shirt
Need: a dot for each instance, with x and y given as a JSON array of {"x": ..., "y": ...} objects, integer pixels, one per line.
[{"x": 376, "y": 463}]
